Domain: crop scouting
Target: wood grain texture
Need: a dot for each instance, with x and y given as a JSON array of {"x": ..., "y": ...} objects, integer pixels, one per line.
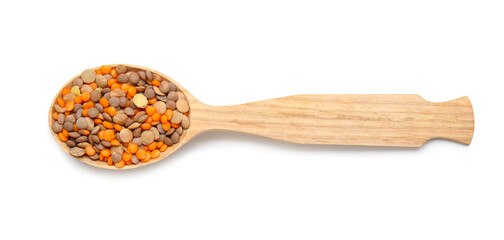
[{"x": 405, "y": 120}]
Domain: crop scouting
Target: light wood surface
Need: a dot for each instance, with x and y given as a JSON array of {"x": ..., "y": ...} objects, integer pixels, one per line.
[
  {"x": 372, "y": 120},
  {"x": 404, "y": 120}
]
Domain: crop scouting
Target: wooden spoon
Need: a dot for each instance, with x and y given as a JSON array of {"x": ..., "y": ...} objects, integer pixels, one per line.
[{"x": 404, "y": 120}]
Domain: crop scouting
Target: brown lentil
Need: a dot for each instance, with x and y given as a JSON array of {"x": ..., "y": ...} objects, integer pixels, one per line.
[
  {"x": 96, "y": 95},
  {"x": 114, "y": 102},
  {"x": 164, "y": 87},
  {"x": 137, "y": 141},
  {"x": 182, "y": 106},
  {"x": 88, "y": 76},
  {"x": 101, "y": 81},
  {"x": 134, "y": 78},
  {"x": 61, "y": 118},
  {"x": 78, "y": 82},
  {"x": 86, "y": 88},
  {"x": 173, "y": 96},
  {"x": 160, "y": 107},
  {"x": 126, "y": 135},
  {"x": 175, "y": 137},
  {"x": 171, "y": 105},
  {"x": 149, "y": 93},
  {"x": 147, "y": 137},
  {"x": 141, "y": 74},
  {"x": 157, "y": 91},
  {"x": 177, "y": 117},
  {"x": 70, "y": 118},
  {"x": 77, "y": 151},
  {"x": 93, "y": 112},
  {"x": 121, "y": 69},
  {"x": 57, "y": 127},
  {"x": 68, "y": 126},
  {"x": 122, "y": 78},
  {"x": 81, "y": 123}
]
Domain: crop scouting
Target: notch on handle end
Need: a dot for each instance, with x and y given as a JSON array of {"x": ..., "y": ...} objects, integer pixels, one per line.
[{"x": 452, "y": 120}]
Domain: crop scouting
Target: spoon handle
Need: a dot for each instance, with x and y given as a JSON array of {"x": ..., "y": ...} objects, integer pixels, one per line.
[{"x": 405, "y": 120}]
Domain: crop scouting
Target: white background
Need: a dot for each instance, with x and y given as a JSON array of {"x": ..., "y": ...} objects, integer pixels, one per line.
[{"x": 234, "y": 186}]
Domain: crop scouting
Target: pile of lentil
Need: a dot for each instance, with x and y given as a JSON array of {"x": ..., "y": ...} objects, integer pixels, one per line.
[{"x": 120, "y": 116}]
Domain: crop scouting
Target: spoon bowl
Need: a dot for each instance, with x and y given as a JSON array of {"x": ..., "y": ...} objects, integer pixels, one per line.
[
  {"x": 396, "y": 120},
  {"x": 186, "y": 136}
]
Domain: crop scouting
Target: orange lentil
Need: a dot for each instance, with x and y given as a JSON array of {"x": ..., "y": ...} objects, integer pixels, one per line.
[
  {"x": 111, "y": 111},
  {"x": 159, "y": 144},
  {"x": 163, "y": 119},
  {"x": 175, "y": 125},
  {"x": 115, "y": 142},
  {"x": 104, "y": 102},
  {"x": 105, "y": 69},
  {"x": 145, "y": 126},
  {"x": 105, "y": 152},
  {"x": 166, "y": 126},
  {"x": 88, "y": 105},
  {"x": 85, "y": 132},
  {"x": 101, "y": 134},
  {"x": 111, "y": 81},
  {"x": 147, "y": 157},
  {"x": 61, "y": 102},
  {"x": 69, "y": 106},
  {"x": 156, "y": 117},
  {"x": 55, "y": 115},
  {"x": 154, "y": 123},
  {"x": 155, "y": 153},
  {"x": 141, "y": 153},
  {"x": 78, "y": 99},
  {"x": 98, "y": 72},
  {"x": 93, "y": 85},
  {"x": 169, "y": 113},
  {"x": 85, "y": 96},
  {"x": 65, "y": 91},
  {"x": 132, "y": 91},
  {"x": 128, "y": 162},
  {"x": 113, "y": 72},
  {"x": 108, "y": 135},
  {"x": 97, "y": 121},
  {"x": 126, "y": 156},
  {"x": 149, "y": 120},
  {"x": 115, "y": 86},
  {"x": 109, "y": 161},
  {"x": 118, "y": 127},
  {"x": 152, "y": 146},
  {"x": 156, "y": 83},
  {"x": 62, "y": 137},
  {"x": 76, "y": 129},
  {"x": 65, "y": 132},
  {"x": 150, "y": 110},
  {"x": 90, "y": 150},
  {"x": 67, "y": 113},
  {"x": 120, "y": 164},
  {"x": 132, "y": 148},
  {"x": 108, "y": 124},
  {"x": 85, "y": 111},
  {"x": 152, "y": 100},
  {"x": 101, "y": 157},
  {"x": 163, "y": 148},
  {"x": 125, "y": 87}
]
